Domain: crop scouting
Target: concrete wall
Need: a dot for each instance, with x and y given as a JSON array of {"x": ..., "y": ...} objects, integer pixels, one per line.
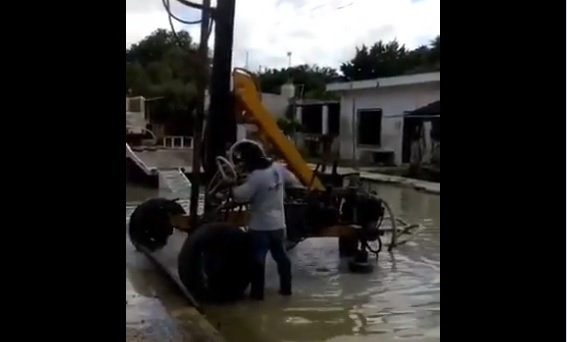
[
  {"x": 393, "y": 101},
  {"x": 275, "y": 104}
]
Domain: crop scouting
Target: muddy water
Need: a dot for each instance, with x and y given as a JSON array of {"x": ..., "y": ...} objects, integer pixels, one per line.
[
  {"x": 135, "y": 193},
  {"x": 399, "y": 301}
]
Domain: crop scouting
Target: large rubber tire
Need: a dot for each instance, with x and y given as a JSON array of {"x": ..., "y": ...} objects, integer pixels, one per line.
[
  {"x": 149, "y": 224},
  {"x": 215, "y": 262}
]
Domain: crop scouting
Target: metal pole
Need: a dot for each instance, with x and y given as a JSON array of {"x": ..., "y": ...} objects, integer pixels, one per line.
[
  {"x": 354, "y": 130},
  {"x": 221, "y": 118},
  {"x": 200, "y": 114}
]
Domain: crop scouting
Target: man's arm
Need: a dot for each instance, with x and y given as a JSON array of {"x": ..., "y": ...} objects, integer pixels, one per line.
[
  {"x": 289, "y": 178},
  {"x": 245, "y": 191}
]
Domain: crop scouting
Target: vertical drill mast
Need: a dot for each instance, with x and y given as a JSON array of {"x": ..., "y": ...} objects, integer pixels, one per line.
[
  {"x": 220, "y": 129},
  {"x": 221, "y": 120}
]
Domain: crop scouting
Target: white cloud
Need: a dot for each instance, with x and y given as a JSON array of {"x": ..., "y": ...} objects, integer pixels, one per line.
[{"x": 315, "y": 31}]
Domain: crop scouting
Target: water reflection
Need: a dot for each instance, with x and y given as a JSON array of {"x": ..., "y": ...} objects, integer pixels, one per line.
[
  {"x": 400, "y": 300},
  {"x": 136, "y": 193}
]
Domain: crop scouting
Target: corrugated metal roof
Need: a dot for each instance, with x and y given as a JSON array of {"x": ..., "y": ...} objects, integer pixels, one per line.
[{"x": 434, "y": 108}]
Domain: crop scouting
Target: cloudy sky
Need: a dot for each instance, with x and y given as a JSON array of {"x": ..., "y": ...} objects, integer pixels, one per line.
[{"x": 323, "y": 32}]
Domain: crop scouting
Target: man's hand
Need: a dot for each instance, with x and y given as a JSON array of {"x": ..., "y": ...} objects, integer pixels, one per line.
[{"x": 241, "y": 179}]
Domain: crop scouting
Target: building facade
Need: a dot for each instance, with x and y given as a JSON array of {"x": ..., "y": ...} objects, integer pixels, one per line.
[{"x": 372, "y": 113}]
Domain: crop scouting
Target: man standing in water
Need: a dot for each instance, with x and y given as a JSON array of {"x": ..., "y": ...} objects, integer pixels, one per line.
[{"x": 264, "y": 190}]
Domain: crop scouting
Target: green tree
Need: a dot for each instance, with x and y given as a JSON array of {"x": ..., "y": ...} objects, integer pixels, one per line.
[
  {"x": 164, "y": 65},
  {"x": 310, "y": 80},
  {"x": 392, "y": 59},
  {"x": 289, "y": 126}
]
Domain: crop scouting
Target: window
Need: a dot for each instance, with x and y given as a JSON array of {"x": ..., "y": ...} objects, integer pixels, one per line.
[
  {"x": 334, "y": 118},
  {"x": 312, "y": 118},
  {"x": 369, "y": 130}
]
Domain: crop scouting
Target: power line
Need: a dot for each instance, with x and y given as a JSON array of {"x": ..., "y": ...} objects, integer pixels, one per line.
[
  {"x": 317, "y": 8},
  {"x": 171, "y": 17},
  {"x": 344, "y": 6},
  {"x": 324, "y": 6},
  {"x": 167, "y": 6}
]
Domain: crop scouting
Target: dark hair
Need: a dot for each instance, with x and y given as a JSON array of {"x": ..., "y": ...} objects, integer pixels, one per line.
[{"x": 253, "y": 157}]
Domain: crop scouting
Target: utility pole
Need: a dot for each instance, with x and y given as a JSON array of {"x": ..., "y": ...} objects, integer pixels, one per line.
[
  {"x": 221, "y": 119},
  {"x": 202, "y": 83},
  {"x": 293, "y": 99}
]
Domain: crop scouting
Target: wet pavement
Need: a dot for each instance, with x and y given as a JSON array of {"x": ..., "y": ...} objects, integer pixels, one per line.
[
  {"x": 399, "y": 301},
  {"x": 155, "y": 310},
  {"x": 138, "y": 194},
  {"x": 372, "y": 174},
  {"x": 147, "y": 319},
  {"x": 165, "y": 159}
]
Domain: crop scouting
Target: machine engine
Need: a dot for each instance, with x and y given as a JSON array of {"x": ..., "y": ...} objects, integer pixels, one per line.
[{"x": 308, "y": 213}]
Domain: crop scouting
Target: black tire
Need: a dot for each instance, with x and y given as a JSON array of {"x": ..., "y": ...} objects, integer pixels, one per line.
[
  {"x": 215, "y": 262},
  {"x": 149, "y": 224}
]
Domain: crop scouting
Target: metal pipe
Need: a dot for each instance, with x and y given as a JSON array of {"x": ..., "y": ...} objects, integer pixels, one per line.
[{"x": 203, "y": 55}]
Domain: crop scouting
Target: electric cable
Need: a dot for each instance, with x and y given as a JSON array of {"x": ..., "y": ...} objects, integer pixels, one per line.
[{"x": 172, "y": 17}]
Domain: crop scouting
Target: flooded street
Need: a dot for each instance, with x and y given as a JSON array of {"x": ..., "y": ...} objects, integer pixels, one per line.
[
  {"x": 399, "y": 301},
  {"x": 135, "y": 193},
  {"x": 146, "y": 317},
  {"x": 155, "y": 309}
]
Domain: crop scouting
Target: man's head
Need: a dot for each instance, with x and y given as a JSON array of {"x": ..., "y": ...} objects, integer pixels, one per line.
[{"x": 252, "y": 155}]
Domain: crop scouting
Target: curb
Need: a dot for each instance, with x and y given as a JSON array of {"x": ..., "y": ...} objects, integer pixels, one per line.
[
  {"x": 419, "y": 185},
  {"x": 375, "y": 177}
]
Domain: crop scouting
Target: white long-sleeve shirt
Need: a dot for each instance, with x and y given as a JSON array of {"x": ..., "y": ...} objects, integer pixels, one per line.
[{"x": 264, "y": 190}]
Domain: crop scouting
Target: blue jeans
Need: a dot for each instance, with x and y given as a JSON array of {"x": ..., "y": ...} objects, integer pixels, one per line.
[{"x": 274, "y": 242}]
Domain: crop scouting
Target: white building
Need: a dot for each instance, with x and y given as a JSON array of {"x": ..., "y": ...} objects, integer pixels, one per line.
[
  {"x": 372, "y": 113},
  {"x": 275, "y": 104}
]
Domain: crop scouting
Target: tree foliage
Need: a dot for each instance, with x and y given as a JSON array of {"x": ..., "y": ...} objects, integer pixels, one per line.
[
  {"x": 289, "y": 126},
  {"x": 165, "y": 65},
  {"x": 392, "y": 59},
  {"x": 382, "y": 59},
  {"x": 310, "y": 80}
]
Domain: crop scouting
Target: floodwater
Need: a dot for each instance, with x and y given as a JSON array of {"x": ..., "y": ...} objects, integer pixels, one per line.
[
  {"x": 155, "y": 310},
  {"x": 135, "y": 193},
  {"x": 146, "y": 316},
  {"x": 399, "y": 301}
]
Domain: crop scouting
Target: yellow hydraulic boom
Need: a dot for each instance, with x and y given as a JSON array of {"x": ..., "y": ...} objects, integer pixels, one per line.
[{"x": 248, "y": 97}]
